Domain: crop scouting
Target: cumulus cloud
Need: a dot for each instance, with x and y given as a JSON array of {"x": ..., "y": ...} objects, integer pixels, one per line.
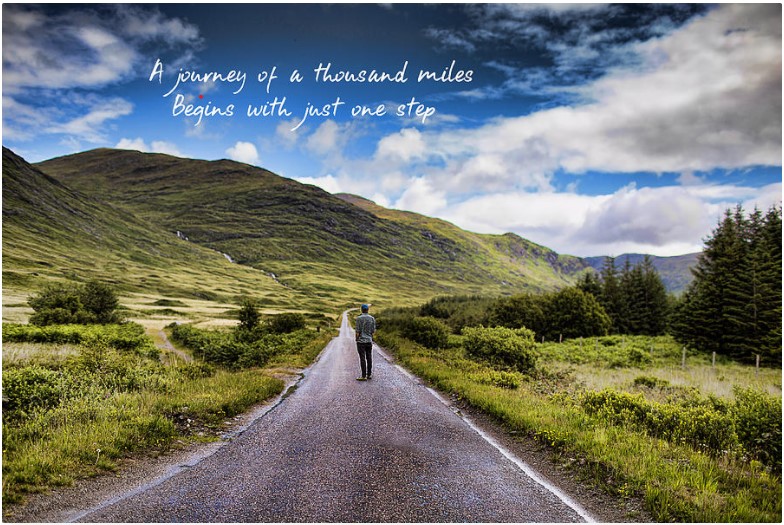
[
  {"x": 422, "y": 197},
  {"x": 244, "y": 152},
  {"x": 646, "y": 216},
  {"x": 157, "y": 146},
  {"x": 328, "y": 138},
  {"x": 89, "y": 126},
  {"x": 327, "y": 183},
  {"x": 669, "y": 220},
  {"x": 284, "y": 135},
  {"x": 404, "y": 146}
]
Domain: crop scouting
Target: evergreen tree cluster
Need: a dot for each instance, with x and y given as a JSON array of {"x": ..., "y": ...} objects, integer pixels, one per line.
[
  {"x": 733, "y": 306},
  {"x": 634, "y": 298}
]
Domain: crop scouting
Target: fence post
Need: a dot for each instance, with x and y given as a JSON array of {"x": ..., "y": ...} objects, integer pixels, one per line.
[
  {"x": 542, "y": 339},
  {"x": 713, "y": 364},
  {"x": 756, "y": 372},
  {"x": 683, "y": 359},
  {"x": 560, "y": 338}
]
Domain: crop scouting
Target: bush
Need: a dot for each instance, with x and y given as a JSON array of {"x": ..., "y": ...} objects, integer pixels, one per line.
[
  {"x": 758, "y": 422},
  {"x": 574, "y": 313},
  {"x": 499, "y": 378},
  {"x": 427, "y": 331},
  {"x": 651, "y": 382},
  {"x": 238, "y": 349},
  {"x": 90, "y": 303},
  {"x": 100, "y": 301},
  {"x": 29, "y": 388},
  {"x": 196, "y": 370},
  {"x": 127, "y": 337},
  {"x": 701, "y": 426},
  {"x": 501, "y": 346},
  {"x": 286, "y": 323}
]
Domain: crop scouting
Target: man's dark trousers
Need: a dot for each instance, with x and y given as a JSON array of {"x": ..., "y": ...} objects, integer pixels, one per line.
[{"x": 365, "y": 358}]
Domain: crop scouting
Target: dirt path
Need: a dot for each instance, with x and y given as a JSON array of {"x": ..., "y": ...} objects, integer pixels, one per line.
[{"x": 169, "y": 347}]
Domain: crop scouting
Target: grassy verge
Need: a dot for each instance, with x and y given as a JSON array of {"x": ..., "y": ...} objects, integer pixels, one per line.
[
  {"x": 73, "y": 416},
  {"x": 676, "y": 482}
]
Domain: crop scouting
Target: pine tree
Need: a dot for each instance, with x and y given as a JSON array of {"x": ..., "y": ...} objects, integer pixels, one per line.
[
  {"x": 589, "y": 283},
  {"x": 654, "y": 299},
  {"x": 767, "y": 256},
  {"x": 612, "y": 298},
  {"x": 739, "y": 307}
]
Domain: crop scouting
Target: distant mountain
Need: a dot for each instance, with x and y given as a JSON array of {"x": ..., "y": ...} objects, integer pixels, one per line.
[{"x": 674, "y": 271}]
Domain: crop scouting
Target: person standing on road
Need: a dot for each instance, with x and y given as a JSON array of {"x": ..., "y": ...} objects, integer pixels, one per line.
[{"x": 366, "y": 327}]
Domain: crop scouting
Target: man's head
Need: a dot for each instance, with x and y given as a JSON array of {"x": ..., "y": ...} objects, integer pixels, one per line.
[{"x": 365, "y": 308}]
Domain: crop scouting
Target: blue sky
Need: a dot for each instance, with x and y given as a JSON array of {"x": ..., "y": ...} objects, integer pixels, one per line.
[{"x": 590, "y": 129}]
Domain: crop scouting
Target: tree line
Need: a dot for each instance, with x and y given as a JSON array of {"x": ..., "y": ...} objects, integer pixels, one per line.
[{"x": 732, "y": 307}]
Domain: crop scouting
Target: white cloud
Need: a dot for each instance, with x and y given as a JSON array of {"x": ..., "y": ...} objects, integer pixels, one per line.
[
  {"x": 327, "y": 139},
  {"x": 670, "y": 220},
  {"x": 53, "y": 61},
  {"x": 83, "y": 47},
  {"x": 137, "y": 144},
  {"x": 327, "y": 183},
  {"x": 706, "y": 96},
  {"x": 284, "y": 135},
  {"x": 422, "y": 197},
  {"x": 89, "y": 126},
  {"x": 244, "y": 152},
  {"x": 405, "y": 146},
  {"x": 647, "y": 216},
  {"x": 157, "y": 146}
]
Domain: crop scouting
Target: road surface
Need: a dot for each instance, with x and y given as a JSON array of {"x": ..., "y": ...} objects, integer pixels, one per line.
[{"x": 341, "y": 450}]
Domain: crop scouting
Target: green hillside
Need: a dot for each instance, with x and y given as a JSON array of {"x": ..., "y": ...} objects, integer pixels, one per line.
[
  {"x": 53, "y": 233},
  {"x": 315, "y": 243}
]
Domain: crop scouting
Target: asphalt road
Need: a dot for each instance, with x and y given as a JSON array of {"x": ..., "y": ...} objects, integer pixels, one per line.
[{"x": 341, "y": 450}]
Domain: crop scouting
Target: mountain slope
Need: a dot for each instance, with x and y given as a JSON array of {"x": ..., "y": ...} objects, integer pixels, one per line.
[
  {"x": 511, "y": 252},
  {"x": 51, "y": 232},
  {"x": 313, "y": 241}
]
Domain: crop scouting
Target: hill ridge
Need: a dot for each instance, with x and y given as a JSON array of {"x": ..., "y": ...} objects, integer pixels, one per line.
[{"x": 323, "y": 249}]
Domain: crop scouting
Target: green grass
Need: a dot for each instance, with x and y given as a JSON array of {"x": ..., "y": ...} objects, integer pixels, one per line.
[
  {"x": 102, "y": 405},
  {"x": 615, "y": 361},
  {"x": 17, "y": 354},
  {"x": 675, "y": 482},
  {"x": 94, "y": 434}
]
